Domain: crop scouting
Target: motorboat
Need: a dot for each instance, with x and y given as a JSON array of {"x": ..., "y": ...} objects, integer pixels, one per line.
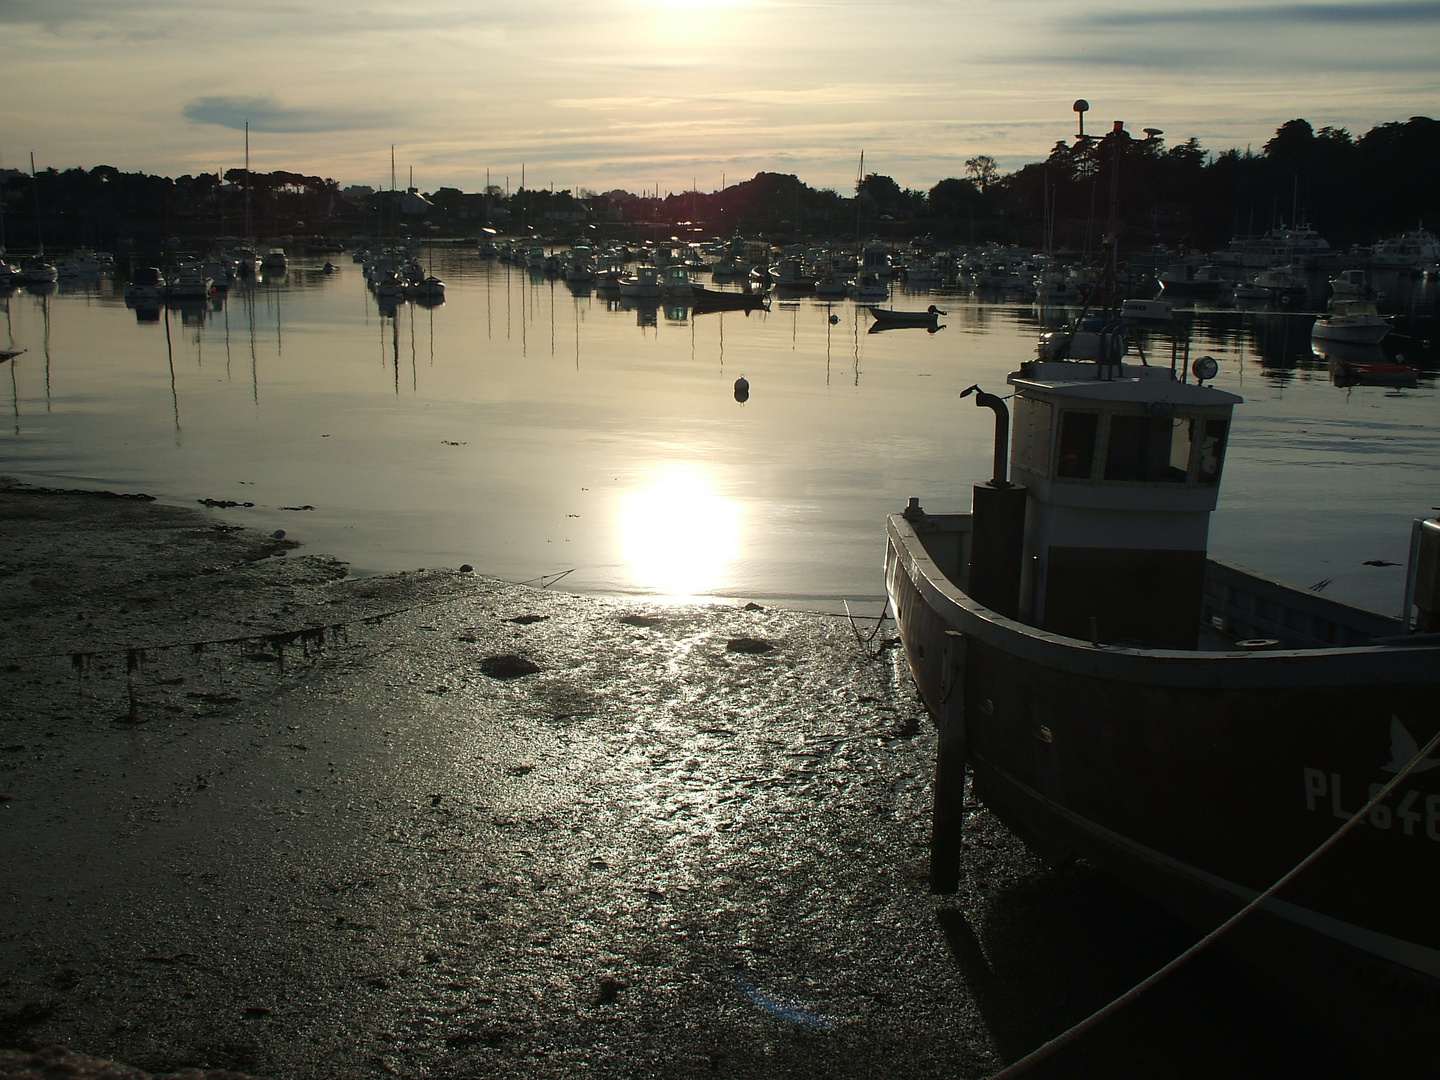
[
  {"x": 1352, "y": 285},
  {"x": 190, "y": 283},
  {"x": 1282, "y": 284},
  {"x": 1185, "y": 281},
  {"x": 644, "y": 283},
  {"x": 1413, "y": 252},
  {"x": 37, "y": 271},
  {"x": 429, "y": 287},
  {"x": 868, "y": 286},
  {"x": 1200, "y": 730},
  {"x": 675, "y": 282},
  {"x": 146, "y": 286},
  {"x": 1354, "y": 321},
  {"x": 274, "y": 261},
  {"x": 580, "y": 265}
]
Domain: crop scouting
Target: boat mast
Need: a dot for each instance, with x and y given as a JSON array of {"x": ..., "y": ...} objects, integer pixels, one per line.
[
  {"x": 859, "y": 179},
  {"x": 249, "y": 232},
  {"x": 35, "y": 188}
]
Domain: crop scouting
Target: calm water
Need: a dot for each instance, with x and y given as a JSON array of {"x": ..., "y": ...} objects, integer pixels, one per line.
[{"x": 531, "y": 431}]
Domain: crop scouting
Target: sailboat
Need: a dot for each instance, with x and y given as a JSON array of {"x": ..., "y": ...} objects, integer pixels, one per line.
[
  {"x": 37, "y": 271},
  {"x": 246, "y": 261}
]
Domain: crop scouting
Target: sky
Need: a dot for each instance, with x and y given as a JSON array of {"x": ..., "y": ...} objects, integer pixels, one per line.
[{"x": 675, "y": 94}]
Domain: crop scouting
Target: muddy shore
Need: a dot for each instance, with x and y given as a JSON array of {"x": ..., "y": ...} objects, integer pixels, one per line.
[{"x": 258, "y": 816}]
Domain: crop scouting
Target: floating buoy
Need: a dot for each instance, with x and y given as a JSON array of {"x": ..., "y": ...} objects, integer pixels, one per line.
[
  {"x": 742, "y": 390},
  {"x": 834, "y": 320}
]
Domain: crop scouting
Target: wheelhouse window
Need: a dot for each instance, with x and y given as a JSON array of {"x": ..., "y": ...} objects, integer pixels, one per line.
[
  {"x": 1076, "y": 457},
  {"x": 1153, "y": 449}
]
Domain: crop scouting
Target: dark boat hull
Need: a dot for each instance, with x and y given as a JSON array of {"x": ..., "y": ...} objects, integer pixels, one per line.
[{"x": 1202, "y": 778}]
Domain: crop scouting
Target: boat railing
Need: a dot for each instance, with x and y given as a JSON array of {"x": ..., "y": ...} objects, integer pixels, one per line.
[{"x": 1246, "y": 605}]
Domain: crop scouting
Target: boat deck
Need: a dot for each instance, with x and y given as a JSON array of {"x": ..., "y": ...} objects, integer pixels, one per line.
[{"x": 1242, "y": 609}]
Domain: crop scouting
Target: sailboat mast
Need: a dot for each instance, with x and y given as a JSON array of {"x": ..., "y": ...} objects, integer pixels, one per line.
[
  {"x": 249, "y": 231},
  {"x": 35, "y": 188},
  {"x": 859, "y": 179}
]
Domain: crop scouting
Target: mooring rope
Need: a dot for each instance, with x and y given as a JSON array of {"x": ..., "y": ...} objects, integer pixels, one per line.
[{"x": 1030, "y": 1060}]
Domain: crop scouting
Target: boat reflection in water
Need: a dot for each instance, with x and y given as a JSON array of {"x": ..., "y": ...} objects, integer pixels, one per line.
[{"x": 677, "y": 534}]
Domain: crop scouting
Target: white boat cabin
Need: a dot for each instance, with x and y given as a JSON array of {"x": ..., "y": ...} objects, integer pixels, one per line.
[{"x": 1121, "y": 463}]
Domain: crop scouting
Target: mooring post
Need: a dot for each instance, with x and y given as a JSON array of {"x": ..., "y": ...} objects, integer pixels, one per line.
[{"x": 948, "y": 819}]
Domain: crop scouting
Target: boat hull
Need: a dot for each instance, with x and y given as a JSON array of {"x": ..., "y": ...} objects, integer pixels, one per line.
[{"x": 1202, "y": 778}]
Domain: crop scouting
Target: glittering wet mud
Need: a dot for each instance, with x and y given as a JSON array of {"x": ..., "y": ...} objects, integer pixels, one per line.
[{"x": 692, "y": 841}]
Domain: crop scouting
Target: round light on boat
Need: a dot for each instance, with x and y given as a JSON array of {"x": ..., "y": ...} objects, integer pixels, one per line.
[{"x": 1205, "y": 368}]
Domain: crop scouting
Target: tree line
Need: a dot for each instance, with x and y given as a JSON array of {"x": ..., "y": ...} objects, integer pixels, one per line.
[{"x": 1351, "y": 189}]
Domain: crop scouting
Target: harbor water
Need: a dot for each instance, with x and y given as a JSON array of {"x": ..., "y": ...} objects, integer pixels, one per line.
[{"x": 544, "y": 433}]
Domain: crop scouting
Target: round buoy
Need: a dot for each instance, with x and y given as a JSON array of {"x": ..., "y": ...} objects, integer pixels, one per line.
[
  {"x": 742, "y": 389},
  {"x": 834, "y": 320}
]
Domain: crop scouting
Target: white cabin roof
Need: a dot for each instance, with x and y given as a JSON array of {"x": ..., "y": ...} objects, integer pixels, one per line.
[{"x": 1134, "y": 383}]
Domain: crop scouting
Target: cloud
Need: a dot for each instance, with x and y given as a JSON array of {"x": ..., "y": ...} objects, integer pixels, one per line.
[
  {"x": 263, "y": 114},
  {"x": 1400, "y": 13}
]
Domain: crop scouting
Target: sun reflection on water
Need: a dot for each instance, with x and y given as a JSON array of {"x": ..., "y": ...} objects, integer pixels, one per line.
[{"x": 678, "y": 535}]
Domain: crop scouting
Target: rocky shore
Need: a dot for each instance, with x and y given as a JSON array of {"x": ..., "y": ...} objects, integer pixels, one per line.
[{"x": 258, "y": 816}]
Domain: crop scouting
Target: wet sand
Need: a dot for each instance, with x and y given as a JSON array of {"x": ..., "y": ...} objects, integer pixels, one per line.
[{"x": 263, "y": 817}]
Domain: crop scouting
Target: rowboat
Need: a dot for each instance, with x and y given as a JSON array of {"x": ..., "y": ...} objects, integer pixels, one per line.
[
  {"x": 885, "y": 318},
  {"x": 1196, "y": 728},
  {"x": 703, "y": 300}
]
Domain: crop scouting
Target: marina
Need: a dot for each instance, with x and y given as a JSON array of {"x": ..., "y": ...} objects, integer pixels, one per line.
[{"x": 402, "y": 423}]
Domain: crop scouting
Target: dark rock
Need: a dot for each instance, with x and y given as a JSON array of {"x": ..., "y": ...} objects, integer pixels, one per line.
[
  {"x": 508, "y": 666},
  {"x": 609, "y": 991},
  {"x": 526, "y": 620},
  {"x": 466, "y": 568},
  {"x": 750, "y": 645}
]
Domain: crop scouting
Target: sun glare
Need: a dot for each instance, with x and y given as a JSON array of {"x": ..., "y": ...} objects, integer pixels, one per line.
[{"x": 677, "y": 535}]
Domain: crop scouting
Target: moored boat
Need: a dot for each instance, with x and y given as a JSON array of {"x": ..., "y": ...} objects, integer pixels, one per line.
[
  {"x": 703, "y": 300},
  {"x": 1196, "y": 728},
  {"x": 1353, "y": 321},
  {"x": 885, "y": 318}
]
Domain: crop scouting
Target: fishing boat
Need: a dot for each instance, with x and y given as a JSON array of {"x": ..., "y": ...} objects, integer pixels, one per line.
[
  {"x": 1196, "y": 728},
  {"x": 1353, "y": 321},
  {"x": 885, "y": 318}
]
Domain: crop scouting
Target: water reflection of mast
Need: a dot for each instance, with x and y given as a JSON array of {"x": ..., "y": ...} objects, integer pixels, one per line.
[
  {"x": 254, "y": 360},
  {"x": 45, "y": 319},
  {"x": 414, "y": 374},
  {"x": 15, "y": 390},
  {"x": 552, "y": 318},
  {"x": 828, "y": 325},
  {"x": 722, "y": 342},
  {"x": 170, "y": 357},
  {"x": 857, "y": 344}
]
